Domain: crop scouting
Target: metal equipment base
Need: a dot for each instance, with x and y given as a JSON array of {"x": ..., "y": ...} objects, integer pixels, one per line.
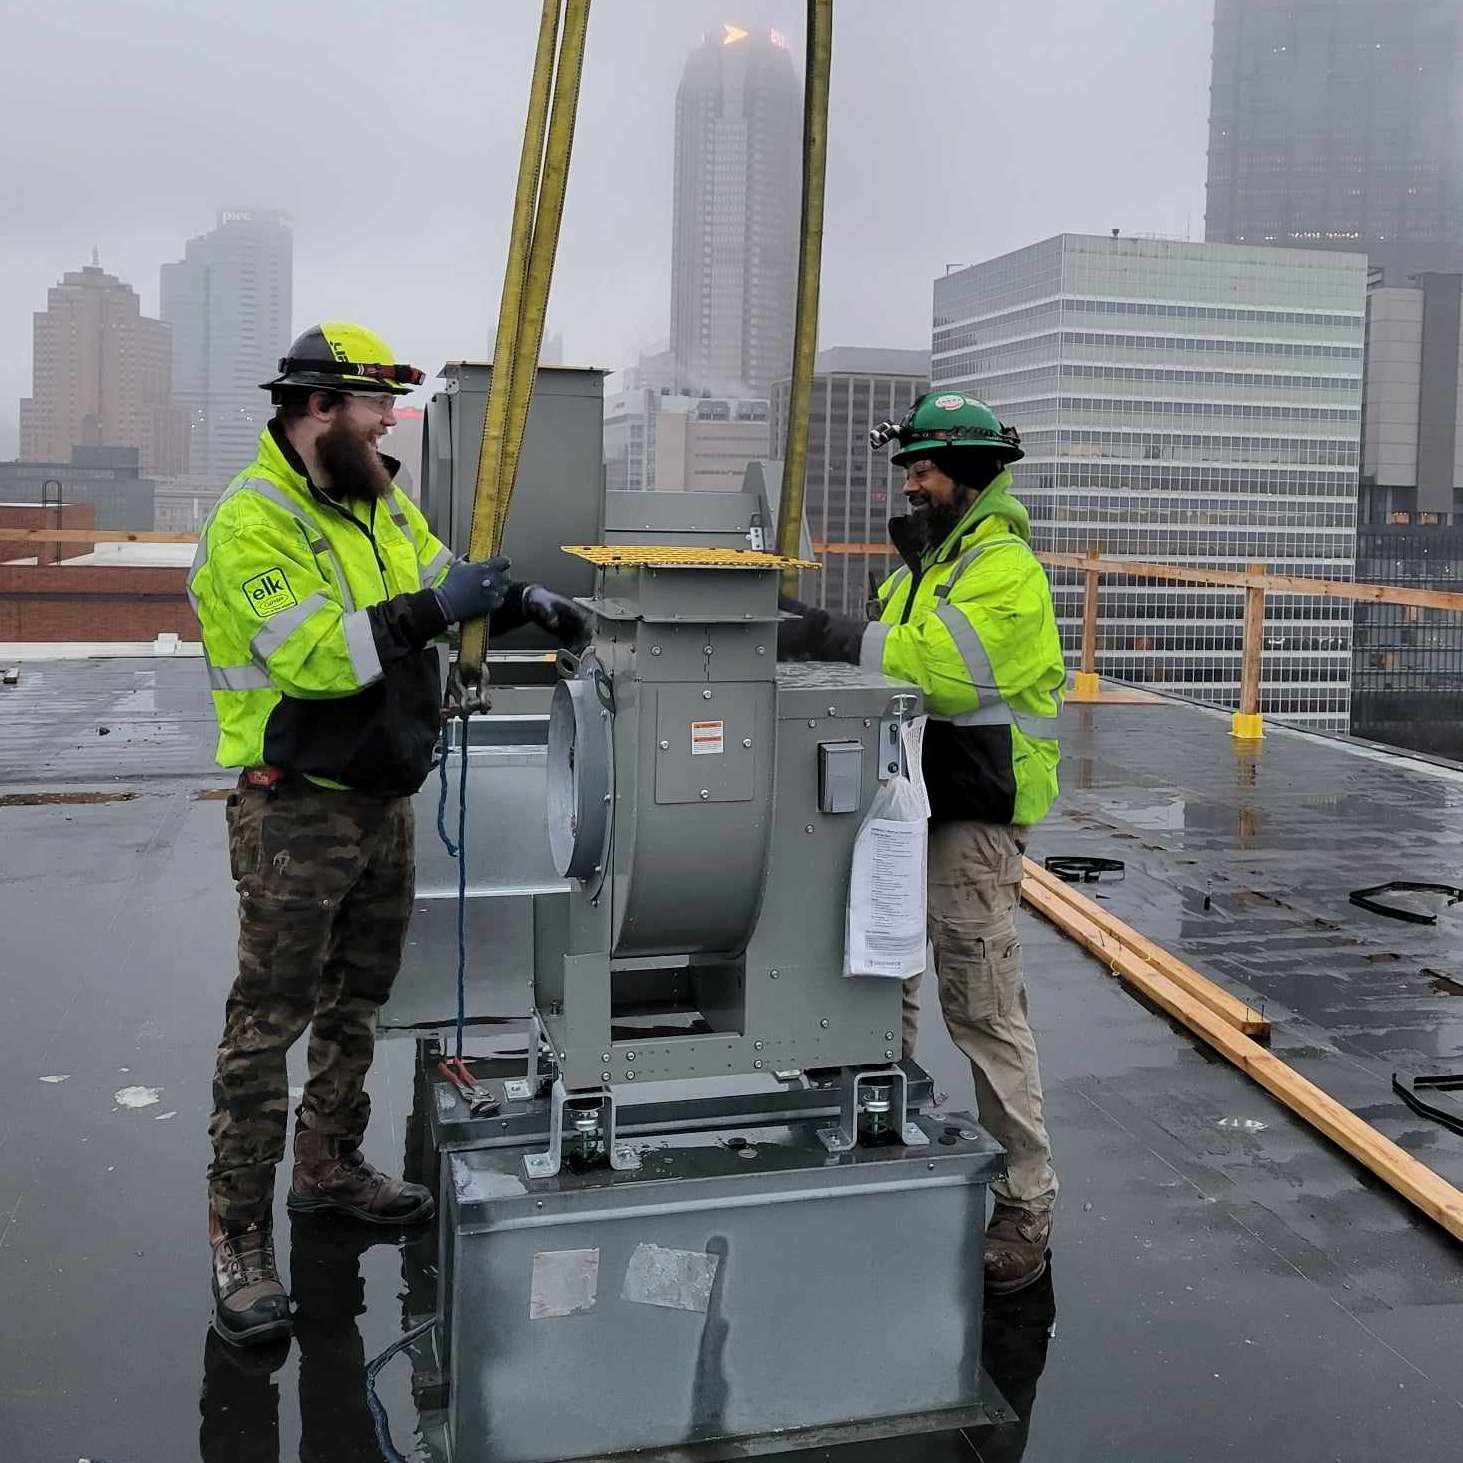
[{"x": 744, "y": 1292}]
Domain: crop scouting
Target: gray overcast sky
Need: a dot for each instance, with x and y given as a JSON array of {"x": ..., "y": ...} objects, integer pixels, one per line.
[{"x": 958, "y": 130}]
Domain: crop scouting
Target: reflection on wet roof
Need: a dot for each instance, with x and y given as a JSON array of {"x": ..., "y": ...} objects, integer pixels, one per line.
[{"x": 1219, "y": 1272}]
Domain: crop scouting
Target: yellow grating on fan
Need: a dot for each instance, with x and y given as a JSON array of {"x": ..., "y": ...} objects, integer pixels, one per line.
[{"x": 670, "y": 556}]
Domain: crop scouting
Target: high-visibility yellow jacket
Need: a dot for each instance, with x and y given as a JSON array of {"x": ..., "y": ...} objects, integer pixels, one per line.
[
  {"x": 317, "y": 620},
  {"x": 971, "y": 624}
]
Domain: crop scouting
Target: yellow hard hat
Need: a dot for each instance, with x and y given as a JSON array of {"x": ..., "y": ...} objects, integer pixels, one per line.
[{"x": 338, "y": 355}]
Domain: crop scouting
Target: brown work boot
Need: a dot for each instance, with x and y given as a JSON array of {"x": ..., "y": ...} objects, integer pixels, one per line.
[
  {"x": 332, "y": 1175},
  {"x": 250, "y": 1305},
  {"x": 1016, "y": 1248}
]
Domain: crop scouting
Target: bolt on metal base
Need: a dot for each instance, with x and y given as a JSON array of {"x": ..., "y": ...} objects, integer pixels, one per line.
[
  {"x": 877, "y": 1093},
  {"x": 590, "y": 1116}
]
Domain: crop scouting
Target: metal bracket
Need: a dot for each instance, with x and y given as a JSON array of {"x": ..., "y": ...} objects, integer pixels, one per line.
[
  {"x": 547, "y": 1164},
  {"x": 891, "y": 744},
  {"x": 525, "y": 1089},
  {"x": 845, "y": 1136}
]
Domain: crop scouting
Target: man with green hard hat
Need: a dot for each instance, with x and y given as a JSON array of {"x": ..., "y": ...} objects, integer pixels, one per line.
[{"x": 968, "y": 618}]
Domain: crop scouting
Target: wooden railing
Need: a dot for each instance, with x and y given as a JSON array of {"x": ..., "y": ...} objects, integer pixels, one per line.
[
  {"x": 1255, "y": 581},
  {"x": 92, "y": 536},
  {"x": 1256, "y": 584}
]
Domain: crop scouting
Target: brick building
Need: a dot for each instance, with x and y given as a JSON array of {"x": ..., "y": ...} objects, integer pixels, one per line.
[{"x": 74, "y": 591}]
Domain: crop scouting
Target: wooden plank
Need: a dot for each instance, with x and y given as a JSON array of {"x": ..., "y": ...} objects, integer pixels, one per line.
[
  {"x": 1252, "y": 648},
  {"x": 1111, "y": 696},
  {"x": 874, "y": 551},
  {"x": 1419, "y": 1185},
  {"x": 1109, "y": 932},
  {"x": 93, "y": 536},
  {"x": 1091, "y": 579},
  {"x": 1429, "y": 599}
]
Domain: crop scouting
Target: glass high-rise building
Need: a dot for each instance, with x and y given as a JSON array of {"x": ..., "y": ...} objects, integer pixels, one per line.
[
  {"x": 1338, "y": 124},
  {"x": 851, "y": 488},
  {"x": 737, "y": 199},
  {"x": 1407, "y": 667},
  {"x": 1180, "y": 403},
  {"x": 228, "y": 301}
]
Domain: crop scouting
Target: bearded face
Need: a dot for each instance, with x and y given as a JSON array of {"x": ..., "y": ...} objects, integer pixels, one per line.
[
  {"x": 347, "y": 453},
  {"x": 933, "y": 522}
]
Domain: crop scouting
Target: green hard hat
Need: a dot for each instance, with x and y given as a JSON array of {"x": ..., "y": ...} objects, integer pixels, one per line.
[{"x": 943, "y": 420}]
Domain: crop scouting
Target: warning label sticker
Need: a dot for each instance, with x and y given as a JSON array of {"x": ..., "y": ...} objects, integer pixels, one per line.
[{"x": 707, "y": 738}]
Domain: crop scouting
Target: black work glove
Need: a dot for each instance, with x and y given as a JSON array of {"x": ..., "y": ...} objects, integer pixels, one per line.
[
  {"x": 561, "y": 617},
  {"x": 471, "y": 591},
  {"x": 817, "y": 634}
]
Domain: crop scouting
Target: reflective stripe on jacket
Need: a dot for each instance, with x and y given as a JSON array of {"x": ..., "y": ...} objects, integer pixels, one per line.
[
  {"x": 316, "y": 627},
  {"x": 971, "y": 624}
]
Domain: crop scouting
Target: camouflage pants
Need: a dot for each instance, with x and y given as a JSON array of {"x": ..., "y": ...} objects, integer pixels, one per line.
[
  {"x": 974, "y": 892},
  {"x": 326, "y": 881}
]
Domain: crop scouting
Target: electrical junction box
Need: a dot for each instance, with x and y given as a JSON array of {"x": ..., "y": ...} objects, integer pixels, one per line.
[{"x": 840, "y": 776}]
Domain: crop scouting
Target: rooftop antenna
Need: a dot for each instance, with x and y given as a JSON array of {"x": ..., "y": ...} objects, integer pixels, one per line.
[{"x": 96, "y": 258}]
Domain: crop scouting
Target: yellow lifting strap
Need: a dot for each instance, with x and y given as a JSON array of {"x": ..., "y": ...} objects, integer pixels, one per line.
[
  {"x": 538, "y": 205},
  {"x": 810, "y": 260}
]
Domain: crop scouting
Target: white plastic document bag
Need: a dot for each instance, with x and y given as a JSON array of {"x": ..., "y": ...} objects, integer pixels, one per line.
[{"x": 886, "y": 889}]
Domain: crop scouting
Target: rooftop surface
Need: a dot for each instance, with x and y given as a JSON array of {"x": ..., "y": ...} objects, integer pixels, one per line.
[{"x": 1225, "y": 1284}]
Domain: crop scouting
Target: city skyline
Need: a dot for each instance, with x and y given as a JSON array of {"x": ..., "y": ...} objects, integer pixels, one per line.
[{"x": 399, "y": 237}]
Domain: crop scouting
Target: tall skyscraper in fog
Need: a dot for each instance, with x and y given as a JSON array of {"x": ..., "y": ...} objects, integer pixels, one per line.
[
  {"x": 1337, "y": 124},
  {"x": 100, "y": 376},
  {"x": 229, "y": 302},
  {"x": 738, "y": 190}
]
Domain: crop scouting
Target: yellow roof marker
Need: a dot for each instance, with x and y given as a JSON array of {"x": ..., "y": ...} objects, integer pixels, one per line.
[{"x": 681, "y": 556}]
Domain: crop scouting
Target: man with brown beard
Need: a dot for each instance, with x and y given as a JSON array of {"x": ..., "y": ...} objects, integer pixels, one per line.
[{"x": 320, "y": 590}]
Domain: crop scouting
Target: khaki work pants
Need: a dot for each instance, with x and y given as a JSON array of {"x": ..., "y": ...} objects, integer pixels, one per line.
[{"x": 974, "y": 890}]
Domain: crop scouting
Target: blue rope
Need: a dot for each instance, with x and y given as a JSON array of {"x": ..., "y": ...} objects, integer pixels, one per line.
[
  {"x": 458, "y": 851},
  {"x": 442, "y": 797},
  {"x": 378, "y": 1412},
  {"x": 461, "y": 856}
]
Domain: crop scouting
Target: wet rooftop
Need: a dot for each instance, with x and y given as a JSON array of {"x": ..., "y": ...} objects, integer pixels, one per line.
[{"x": 1225, "y": 1284}]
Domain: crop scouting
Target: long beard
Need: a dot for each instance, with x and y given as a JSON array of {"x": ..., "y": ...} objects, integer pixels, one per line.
[
  {"x": 352, "y": 465},
  {"x": 933, "y": 525}
]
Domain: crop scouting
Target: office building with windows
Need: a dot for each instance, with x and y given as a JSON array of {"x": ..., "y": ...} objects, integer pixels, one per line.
[
  {"x": 228, "y": 301},
  {"x": 851, "y": 489},
  {"x": 662, "y": 442},
  {"x": 1407, "y": 669},
  {"x": 102, "y": 376},
  {"x": 1337, "y": 125},
  {"x": 1181, "y": 403}
]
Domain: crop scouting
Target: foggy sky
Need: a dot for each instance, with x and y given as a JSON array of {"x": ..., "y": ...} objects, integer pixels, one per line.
[{"x": 390, "y": 132}]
